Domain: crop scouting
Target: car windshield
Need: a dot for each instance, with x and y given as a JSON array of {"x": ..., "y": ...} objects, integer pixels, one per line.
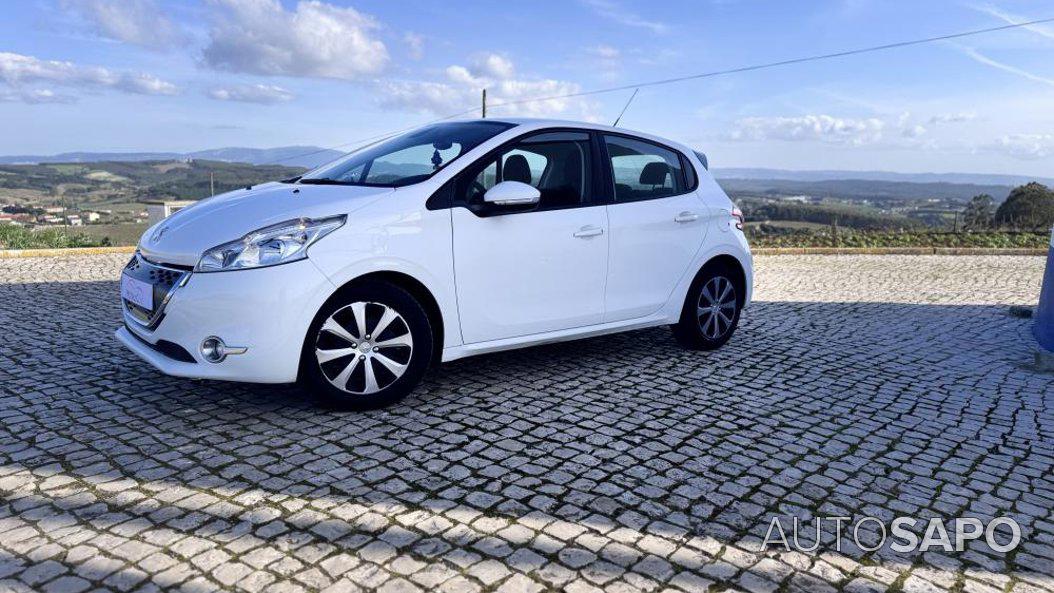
[{"x": 406, "y": 159}]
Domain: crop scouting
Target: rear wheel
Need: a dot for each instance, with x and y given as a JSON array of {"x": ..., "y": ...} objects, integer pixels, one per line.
[
  {"x": 711, "y": 309},
  {"x": 368, "y": 348}
]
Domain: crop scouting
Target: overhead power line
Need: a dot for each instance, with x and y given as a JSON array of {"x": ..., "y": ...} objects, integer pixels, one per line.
[
  {"x": 665, "y": 81},
  {"x": 751, "y": 68}
]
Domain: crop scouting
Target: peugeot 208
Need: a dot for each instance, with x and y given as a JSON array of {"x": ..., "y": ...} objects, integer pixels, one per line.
[{"x": 452, "y": 240}]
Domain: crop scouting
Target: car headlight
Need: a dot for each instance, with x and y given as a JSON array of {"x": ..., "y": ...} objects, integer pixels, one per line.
[{"x": 276, "y": 244}]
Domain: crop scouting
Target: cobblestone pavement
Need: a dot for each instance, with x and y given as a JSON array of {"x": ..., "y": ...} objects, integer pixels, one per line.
[{"x": 856, "y": 386}]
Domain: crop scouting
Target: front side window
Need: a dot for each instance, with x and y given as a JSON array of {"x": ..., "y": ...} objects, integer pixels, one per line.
[
  {"x": 406, "y": 159},
  {"x": 643, "y": 170},
  {"x": 559, "y": 164}
]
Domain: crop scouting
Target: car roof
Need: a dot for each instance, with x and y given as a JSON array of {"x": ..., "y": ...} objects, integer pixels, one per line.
[{"x": 531, "y": 123}]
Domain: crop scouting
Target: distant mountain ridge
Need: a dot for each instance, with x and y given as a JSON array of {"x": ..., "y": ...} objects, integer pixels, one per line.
[
  {"x": 292, "y": 156},
  {"x": 313, "y": 156},
  {"x": 835, "y": 175}
]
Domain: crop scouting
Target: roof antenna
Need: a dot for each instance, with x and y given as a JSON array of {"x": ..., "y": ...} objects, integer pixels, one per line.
[{"x": 623, "y": 112}]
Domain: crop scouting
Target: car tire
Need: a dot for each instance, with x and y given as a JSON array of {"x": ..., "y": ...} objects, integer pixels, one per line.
[
  {"x": 347, "y": 364},
  {"x": 711, "y": 309}
]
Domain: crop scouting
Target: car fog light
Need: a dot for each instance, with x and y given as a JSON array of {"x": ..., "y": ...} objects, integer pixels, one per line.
[{"x": 213, "y": 349}]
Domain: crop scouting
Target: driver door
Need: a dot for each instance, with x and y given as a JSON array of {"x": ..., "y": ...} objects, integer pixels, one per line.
[{"x": 521, "y": 272}]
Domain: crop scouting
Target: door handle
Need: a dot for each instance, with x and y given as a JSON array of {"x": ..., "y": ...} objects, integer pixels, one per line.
[
  {"x": 589, "y": 231},
  {"x": 686, "y": 216}
]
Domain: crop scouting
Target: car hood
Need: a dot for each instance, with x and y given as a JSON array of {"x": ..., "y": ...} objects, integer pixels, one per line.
[{"x": 184, "y": 236}]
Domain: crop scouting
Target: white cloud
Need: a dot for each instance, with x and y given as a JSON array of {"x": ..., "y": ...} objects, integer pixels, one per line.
[
  {"x": 315, "y": 40},
  {"x": 253, "y": 93},
  {"x": 902, "y": 130},
  {"x": 953, "y": 118},
  {"x": 615, "y": 12},
  {"x": 34, "y": 96},
  {"x": 605, "y": 52},
  {"x": 415, "y": 45},
  {"x": 493, "y": 66},
  {"x": 460, "y": 89},
  {"x": 140, "y": 22},
  {"x": 913, "y": 131},
  {"x": 983, "y": 59},
  {"x": 17, "y": 70},
  {"x": 818, "y": 128},
  {"x": 1014, "y": 19},
  {"x": 607, "y": 58},
  {"x": 1025, "y": 146}
]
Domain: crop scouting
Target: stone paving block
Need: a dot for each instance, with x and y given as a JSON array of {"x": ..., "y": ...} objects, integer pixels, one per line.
[{"x": 856, "y": 385}]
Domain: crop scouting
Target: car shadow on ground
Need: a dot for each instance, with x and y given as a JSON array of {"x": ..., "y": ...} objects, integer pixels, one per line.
[{"x": 812, "y": 409}]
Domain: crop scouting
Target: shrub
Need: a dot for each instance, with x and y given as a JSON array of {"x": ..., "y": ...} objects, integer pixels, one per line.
[{"x": 16, "y": 237}]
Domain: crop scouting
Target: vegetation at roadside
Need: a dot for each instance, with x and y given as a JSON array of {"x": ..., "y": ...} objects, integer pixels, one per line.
[
  {"x": 873, "y": 239},
  {"x": 1023, "y": 220},
  {"x": 16, "y": 237},
  {"x": 825, "y": 213}
]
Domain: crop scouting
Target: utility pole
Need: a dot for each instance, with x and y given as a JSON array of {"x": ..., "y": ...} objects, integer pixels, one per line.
[
  {"x": 212, "y": 183},
  {"x": 484, "y": 103}
]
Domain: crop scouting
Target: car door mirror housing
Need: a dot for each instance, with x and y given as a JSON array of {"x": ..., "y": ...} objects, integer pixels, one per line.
[{"x": 512, "y": 193}]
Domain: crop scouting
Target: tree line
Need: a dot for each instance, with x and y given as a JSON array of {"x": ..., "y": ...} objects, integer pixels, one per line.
[{"x": 1028, "y": 207}]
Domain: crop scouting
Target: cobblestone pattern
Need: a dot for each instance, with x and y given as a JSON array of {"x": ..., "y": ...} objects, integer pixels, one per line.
[{"x": 856, "y": 385}]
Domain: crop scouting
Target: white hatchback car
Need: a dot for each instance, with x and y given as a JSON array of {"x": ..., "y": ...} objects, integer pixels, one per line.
[{"x": 456, "y": 239}]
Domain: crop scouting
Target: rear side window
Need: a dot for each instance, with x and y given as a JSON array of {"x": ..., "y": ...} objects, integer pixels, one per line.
[
  {"x": 689, "y": 174},
  {"x": 642, "y": 170}
]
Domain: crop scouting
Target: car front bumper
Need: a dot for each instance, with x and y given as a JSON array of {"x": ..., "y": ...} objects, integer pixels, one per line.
[{"x": 267, "y": 311}]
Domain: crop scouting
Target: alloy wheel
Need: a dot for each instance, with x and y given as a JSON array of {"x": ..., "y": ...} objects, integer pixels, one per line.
[
  {"x": 717, "y": 307},
  {"x": 363, "y": 348}
]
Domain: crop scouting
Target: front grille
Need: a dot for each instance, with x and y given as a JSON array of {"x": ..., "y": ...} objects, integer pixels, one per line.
[{"x": 165, "y": 280}]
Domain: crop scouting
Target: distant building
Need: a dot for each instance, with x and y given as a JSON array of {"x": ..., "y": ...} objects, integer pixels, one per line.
[
  {"x": 92, "y": 216},
  {"x": 54, "y": 210},
  {"x": 159, "y": 210},
  {"x": 75, "y": 220},
  {"x": 799, "y": 199}
]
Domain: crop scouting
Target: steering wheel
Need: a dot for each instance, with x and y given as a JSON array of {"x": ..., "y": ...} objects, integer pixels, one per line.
[{"x": 477, "y": 189}]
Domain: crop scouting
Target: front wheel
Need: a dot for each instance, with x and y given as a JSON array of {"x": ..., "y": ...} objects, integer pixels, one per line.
[
  {"x": 368, "y": 348},
  {"x": 711, "y": 310}
]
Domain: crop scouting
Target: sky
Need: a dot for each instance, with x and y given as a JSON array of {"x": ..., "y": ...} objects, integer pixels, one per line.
[{"x": 184, "y": 75}]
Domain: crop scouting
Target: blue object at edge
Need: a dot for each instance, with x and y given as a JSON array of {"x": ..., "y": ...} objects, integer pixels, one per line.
[{"x": 1043, "y": 327}]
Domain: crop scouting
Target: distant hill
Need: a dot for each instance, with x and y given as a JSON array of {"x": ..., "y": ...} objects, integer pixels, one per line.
[
  {"x": 833, "y": 175},
  {"x": 313, "y": 156},
  {"x": 290, "y": 156},
  {"x": 876, "y": 186},
  {"x": 863, "y": 189},
  {"x": 98, "y": 184}
]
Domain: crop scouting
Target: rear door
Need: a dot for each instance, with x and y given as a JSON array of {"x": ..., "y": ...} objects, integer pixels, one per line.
[
  {"x": 657, "y": 224},
  {"x": 521, "y": 272}
]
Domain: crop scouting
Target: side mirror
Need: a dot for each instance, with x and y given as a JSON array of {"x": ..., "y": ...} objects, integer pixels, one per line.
[{"x": 512, "y": 193}]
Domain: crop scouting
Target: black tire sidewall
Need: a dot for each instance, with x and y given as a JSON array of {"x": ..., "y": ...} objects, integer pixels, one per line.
[{"x": 311, "y": 377}]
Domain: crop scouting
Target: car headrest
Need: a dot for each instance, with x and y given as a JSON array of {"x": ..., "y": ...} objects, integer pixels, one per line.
[
  {"x": 516, "y": 169},
  {"x": 654, "y": 174}
]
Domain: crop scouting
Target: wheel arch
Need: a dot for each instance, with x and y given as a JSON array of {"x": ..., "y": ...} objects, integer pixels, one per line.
[
  {"x": 415, "y": 287},
  {"x": 736, "y": 267}
]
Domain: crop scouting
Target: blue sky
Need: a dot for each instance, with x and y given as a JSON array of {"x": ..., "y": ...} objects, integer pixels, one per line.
[{"x": 138, "y": 75}]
